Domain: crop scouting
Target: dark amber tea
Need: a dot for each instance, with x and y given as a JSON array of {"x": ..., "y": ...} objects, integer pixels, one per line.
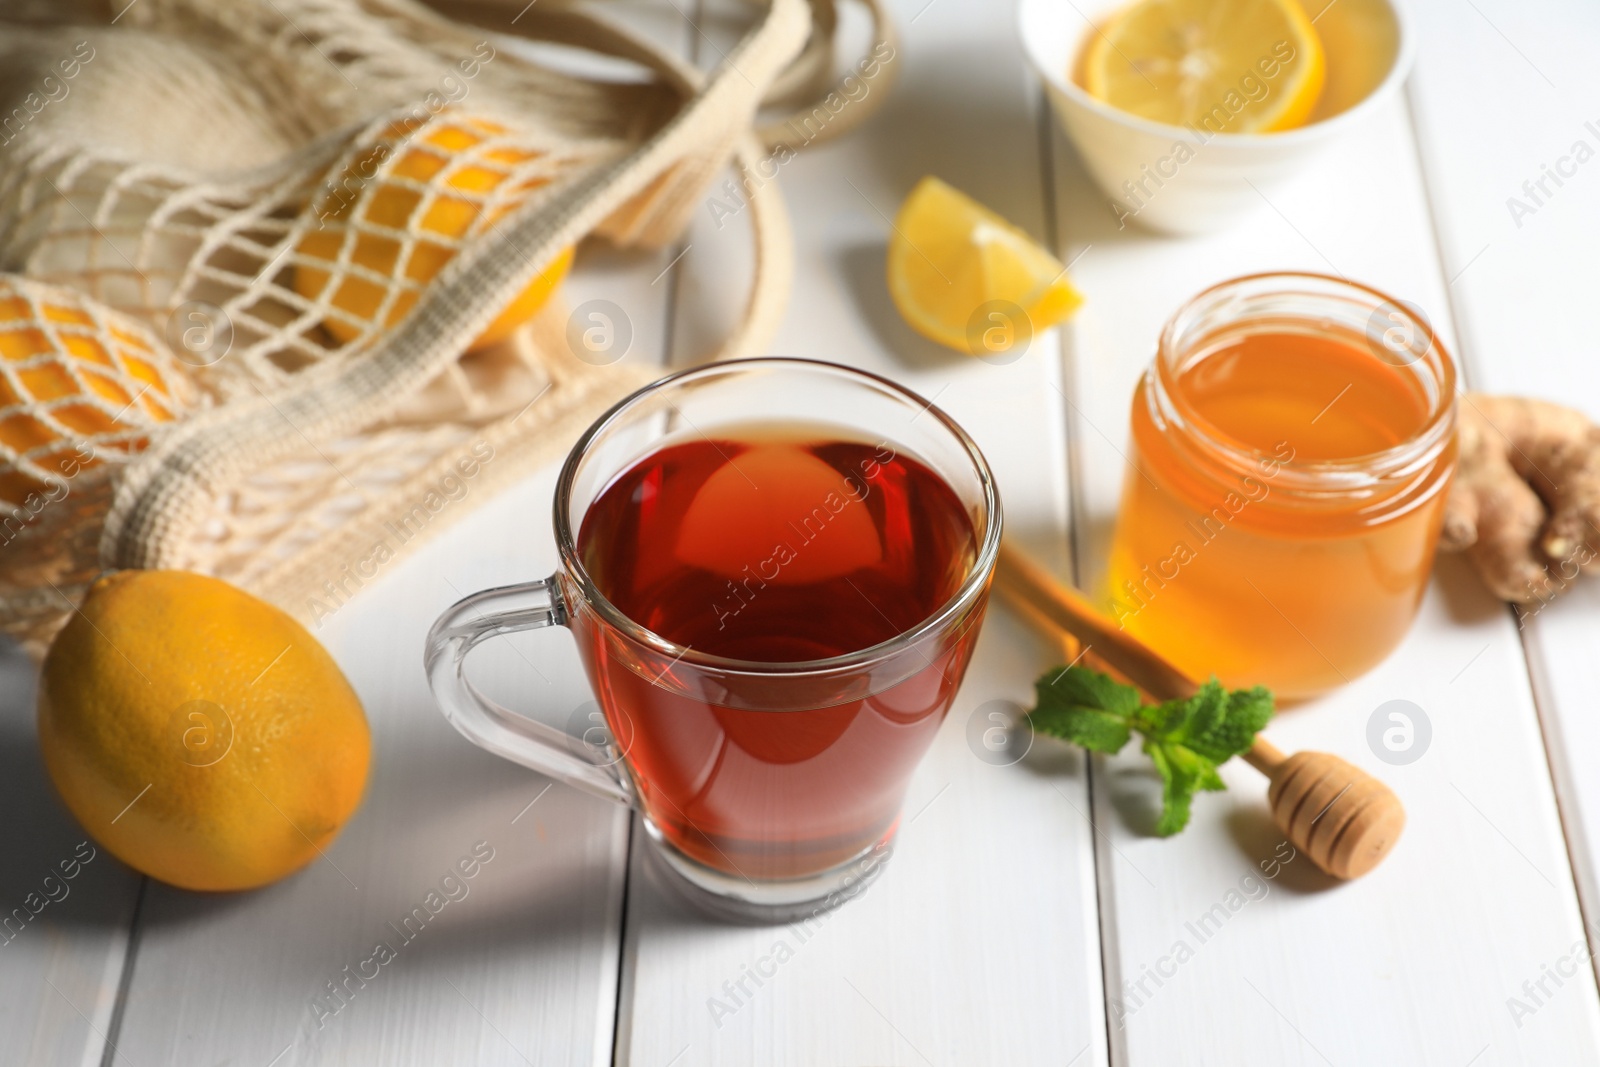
[
  {"x": 778, "y": 545},
  {"x": 775, "y": 603}
]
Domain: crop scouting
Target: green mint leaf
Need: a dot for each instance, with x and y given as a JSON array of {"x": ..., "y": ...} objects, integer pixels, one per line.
[
  {"x": 1177, "y": 720},
  {"x": 1207, "y": 710},
  {"x": 1098, "y": 731},
  {"x": 1084, "y": 707},
  {"x": 1215, "y": 723},
  {"x": 1177, "y": 788},
  {"x": 1090, "y": 689},
  {"x": 1186, "y": 740},
  {"x": 1183, "y": 772},
  {"x": 1243, "y": 713}
]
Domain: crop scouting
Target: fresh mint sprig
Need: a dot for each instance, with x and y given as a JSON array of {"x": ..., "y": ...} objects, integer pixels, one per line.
[{"x": 1187, "y": 740}]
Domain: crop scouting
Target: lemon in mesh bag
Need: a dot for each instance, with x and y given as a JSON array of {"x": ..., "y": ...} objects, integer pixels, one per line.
[
  {"x": 80, "y": 385},
  {"x": 402, "y": 208}
]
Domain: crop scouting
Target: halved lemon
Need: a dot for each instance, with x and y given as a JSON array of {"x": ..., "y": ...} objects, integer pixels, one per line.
[
  {"x": 965, "y": 277},
  {"x": 1222, "y": 66}
]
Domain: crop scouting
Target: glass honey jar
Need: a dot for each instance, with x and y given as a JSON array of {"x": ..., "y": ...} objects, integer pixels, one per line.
[{"x": 1292, "y": 445}]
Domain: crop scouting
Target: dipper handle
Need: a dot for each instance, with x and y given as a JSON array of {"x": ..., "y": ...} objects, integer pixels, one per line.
[{"x": 1340, "y": 816}]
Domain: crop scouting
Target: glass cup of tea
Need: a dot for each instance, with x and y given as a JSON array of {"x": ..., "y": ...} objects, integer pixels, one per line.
[{"x": 775, "y": 571}]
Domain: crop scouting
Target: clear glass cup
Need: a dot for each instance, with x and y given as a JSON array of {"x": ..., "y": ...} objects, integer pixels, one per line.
[
  {"x": 744, "y": 831},
  {"x": 1288, "y": 566}
]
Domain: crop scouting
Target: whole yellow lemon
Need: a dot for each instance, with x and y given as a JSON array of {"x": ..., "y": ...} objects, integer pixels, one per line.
[{"x": 200, "y": 734}]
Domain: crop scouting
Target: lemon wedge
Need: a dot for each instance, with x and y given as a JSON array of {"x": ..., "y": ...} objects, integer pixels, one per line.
[
  {"x": 965, "y": 277},
  {"x": 1221, "y": 66}
]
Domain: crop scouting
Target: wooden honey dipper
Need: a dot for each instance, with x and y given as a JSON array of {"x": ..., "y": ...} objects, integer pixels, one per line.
[{"x": 1340, "y": 816}]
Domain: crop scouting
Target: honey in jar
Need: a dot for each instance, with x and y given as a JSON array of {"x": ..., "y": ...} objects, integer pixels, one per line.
[{"x": 1292, "y": 445}]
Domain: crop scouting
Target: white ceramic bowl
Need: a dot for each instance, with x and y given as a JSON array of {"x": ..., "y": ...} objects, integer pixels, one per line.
[{"x": 1177, "y": 179}]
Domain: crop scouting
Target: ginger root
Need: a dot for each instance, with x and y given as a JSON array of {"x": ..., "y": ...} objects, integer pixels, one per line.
[{"x": 1525, "y": 504}]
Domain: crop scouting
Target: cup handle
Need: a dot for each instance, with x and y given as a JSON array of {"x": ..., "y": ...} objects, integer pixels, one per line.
[{"x": 467, "y": 624}]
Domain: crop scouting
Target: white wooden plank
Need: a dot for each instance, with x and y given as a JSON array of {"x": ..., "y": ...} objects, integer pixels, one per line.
[
  {"x": 524, "y": 967},
  {"x": 978, "y": 944},
  {"x": 1522, "y": 284},
  {"x": 62, "y": 939},
  {"x": 1414, "y": 963}
]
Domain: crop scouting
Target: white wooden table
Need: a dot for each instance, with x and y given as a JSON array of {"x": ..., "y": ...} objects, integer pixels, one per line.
[{"x": 1026, "y": 918}]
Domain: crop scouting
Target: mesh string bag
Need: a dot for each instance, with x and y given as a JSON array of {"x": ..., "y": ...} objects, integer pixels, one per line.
[{"x": 315, "y": 242}]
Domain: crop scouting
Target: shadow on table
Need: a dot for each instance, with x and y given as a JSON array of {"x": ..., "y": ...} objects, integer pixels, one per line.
[
  {"x": 431, "y": 795},
  {"x": 38, "y": 834},
  {"x": 979, "y": 135},
  {"x": 863, "y": 269},
  {"x": 1135, "y": 794},
  {"x": 536, "y": 918},
  {"x": 1466, "y": 598},
  {"x": 1259, "y": 838}
]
